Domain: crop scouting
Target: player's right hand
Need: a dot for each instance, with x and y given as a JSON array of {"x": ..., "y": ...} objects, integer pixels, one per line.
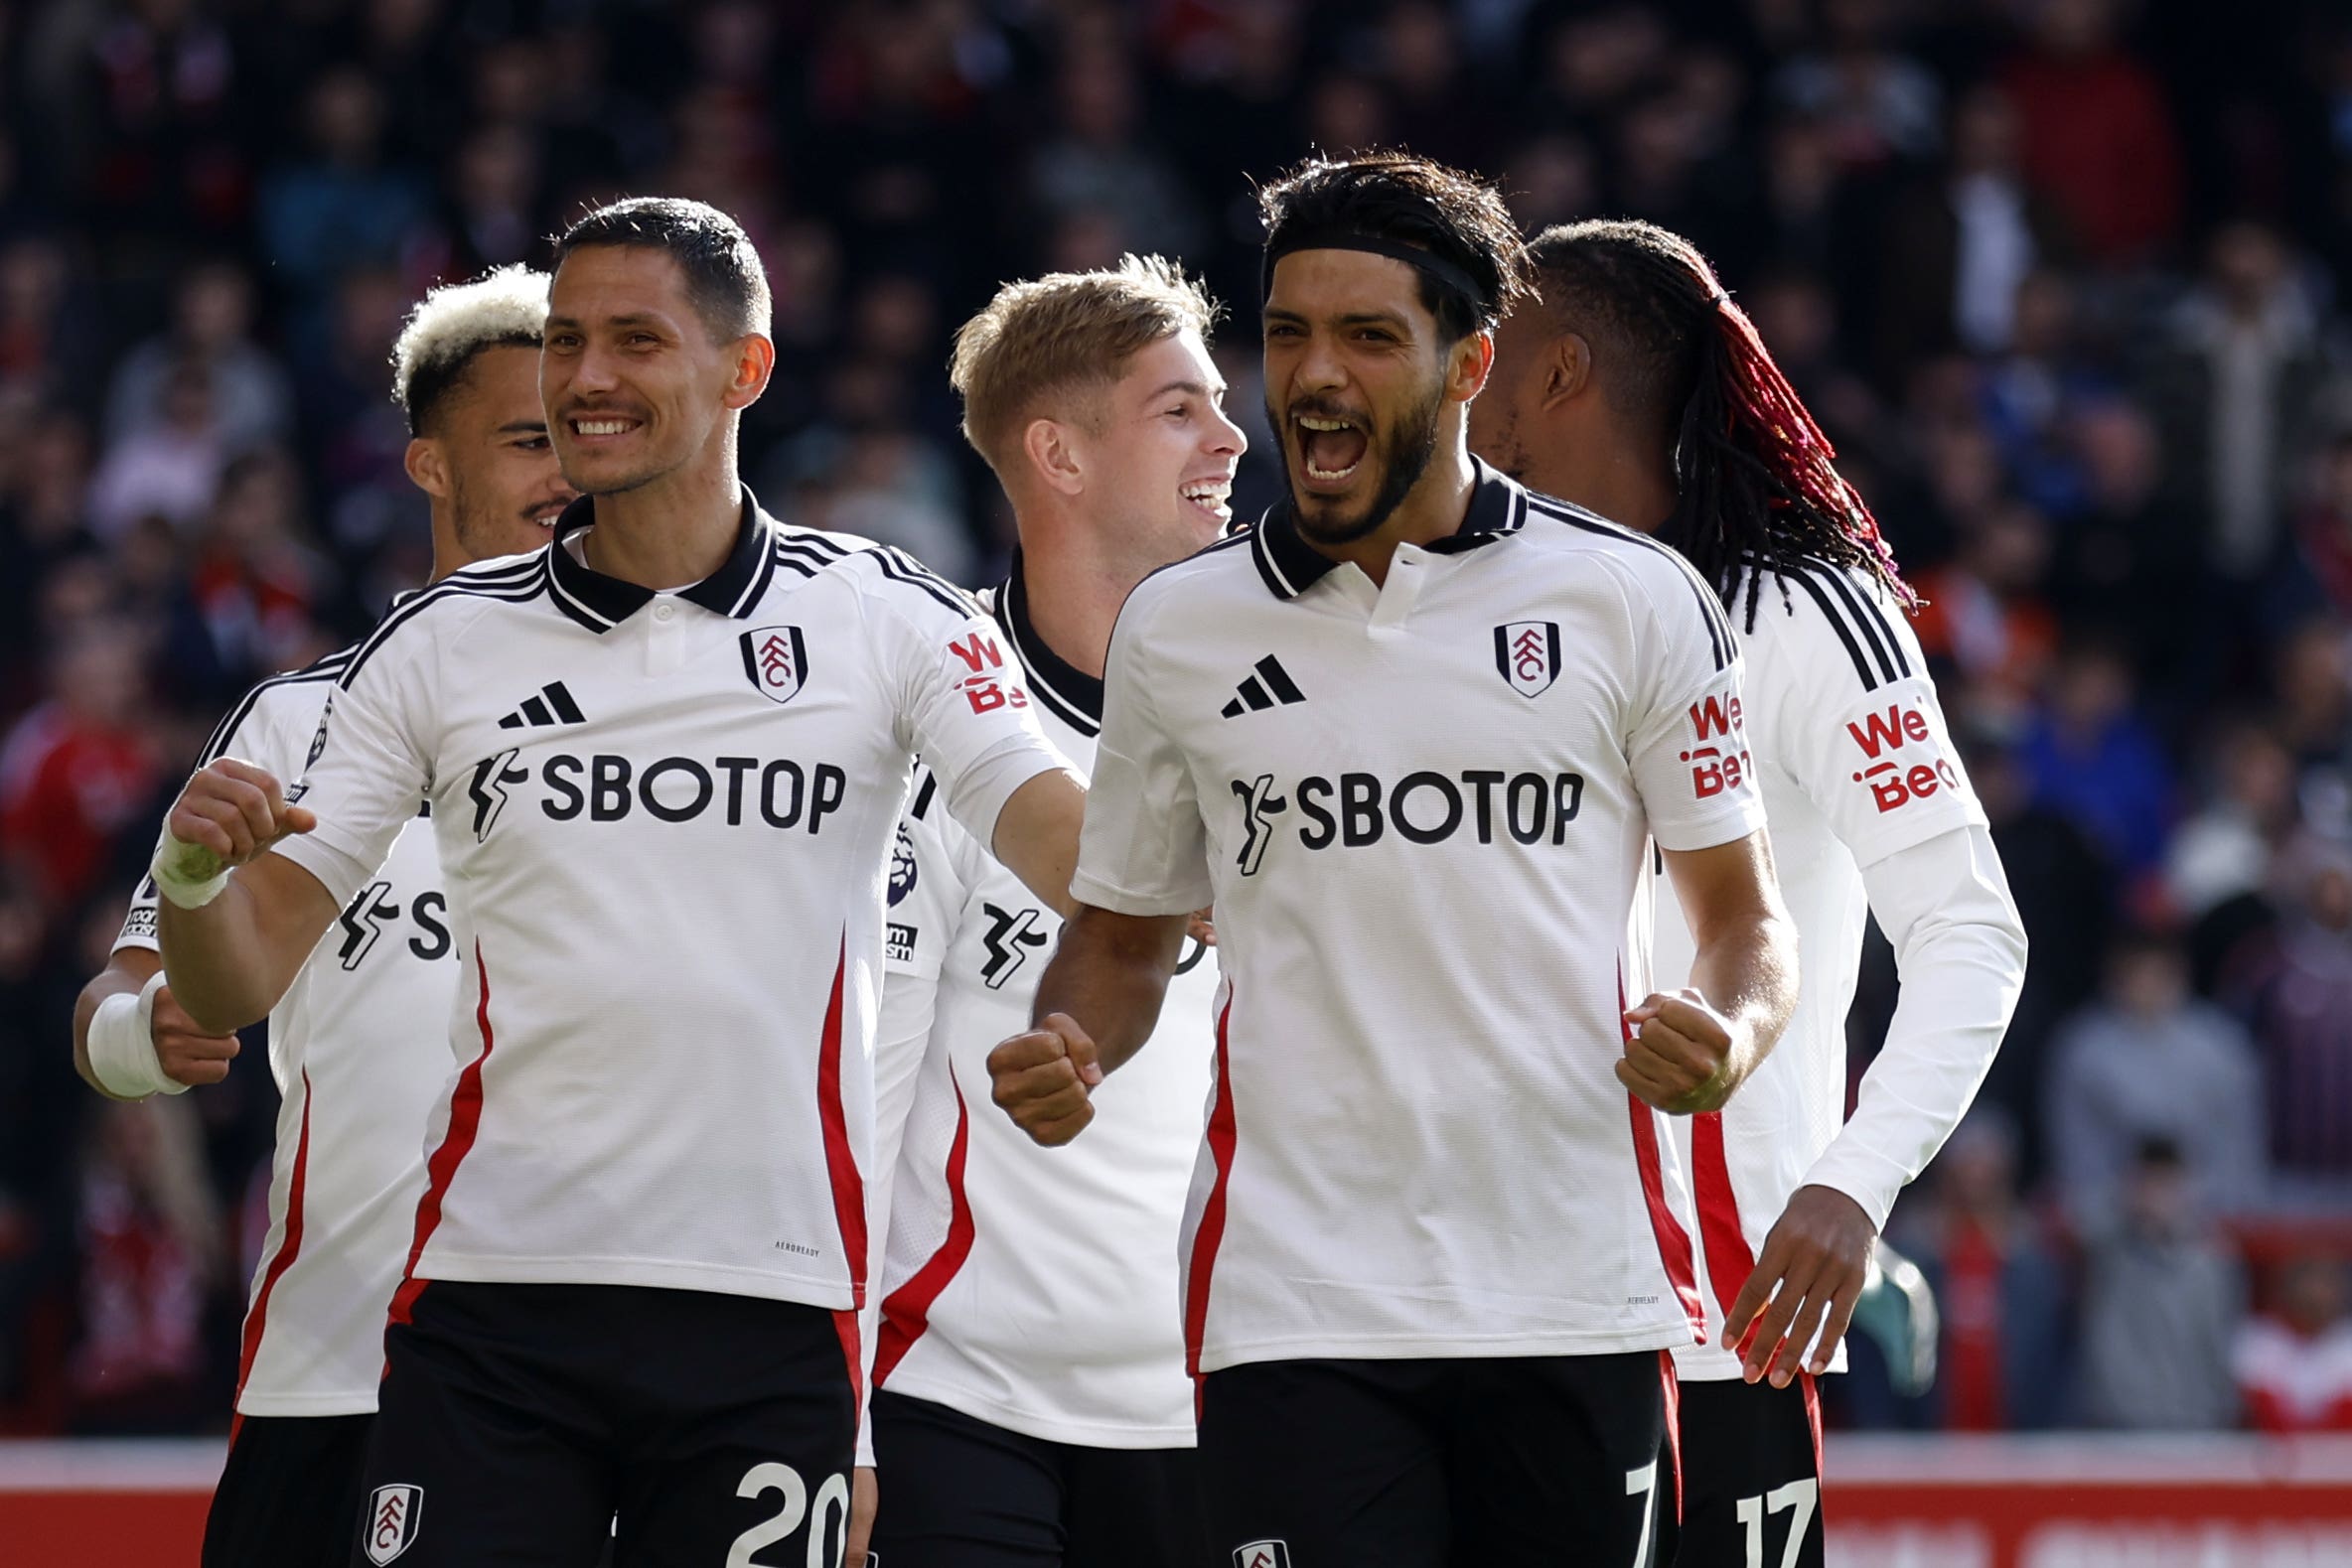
[
  {"x": 235, "y": 812},
  {"x": 185, "y": 1052},
  {"x": 1042, "y": 1079}
]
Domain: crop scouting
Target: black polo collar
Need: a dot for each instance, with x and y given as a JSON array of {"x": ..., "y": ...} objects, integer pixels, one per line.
[
  {"x": 1290, "y": 565},
  {"x": 1074, "y": 696},
  {"x": 601, "y": 603}
]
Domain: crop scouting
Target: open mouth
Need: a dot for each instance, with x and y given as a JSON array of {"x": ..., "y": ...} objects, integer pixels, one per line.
[
  {"x": 1213, "y": 496},
  {"x": 1330, "y": 447},
  {"x": 545, "y": 513}
]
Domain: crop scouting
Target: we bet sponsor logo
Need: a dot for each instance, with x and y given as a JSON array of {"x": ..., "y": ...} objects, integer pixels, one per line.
[
  {"x": 977, "y": 665},
  {"x": 1719, "y": 755},
  {"x": 1894, "y": 772}
]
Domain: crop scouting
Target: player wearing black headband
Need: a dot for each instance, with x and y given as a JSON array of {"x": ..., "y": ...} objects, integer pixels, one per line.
[{"x": 1415, "y": 735}]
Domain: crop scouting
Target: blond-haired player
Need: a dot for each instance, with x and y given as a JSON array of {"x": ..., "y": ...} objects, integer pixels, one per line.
[{"x": 1031, "y": 1406}]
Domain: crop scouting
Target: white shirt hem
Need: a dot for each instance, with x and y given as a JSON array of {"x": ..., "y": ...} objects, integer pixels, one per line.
[
  {"x": 1045, "y": 1428},
  {"x": 717, "y": 1279},
  {"x": 359, "y": 1401},
  {"x": 1454, "y": 1346}
]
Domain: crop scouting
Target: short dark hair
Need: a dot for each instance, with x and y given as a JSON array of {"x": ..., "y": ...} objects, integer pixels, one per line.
[
  {"x": 724, "y": 274},
  {"x": 1410, "y": 200}
]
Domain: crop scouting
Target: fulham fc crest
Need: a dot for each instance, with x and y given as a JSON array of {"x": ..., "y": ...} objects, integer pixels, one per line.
[
  {"x": 1263, "y": 1554},
  {"x": 775, "y": 659},
  {"x": 393, "y": 1516},
  {"x": 1527, "y": 652}
]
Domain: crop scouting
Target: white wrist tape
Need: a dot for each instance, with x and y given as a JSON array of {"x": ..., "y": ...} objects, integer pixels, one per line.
[
  {"x": 189, "y": 875},
  {"x": 122, "y": 1045}
]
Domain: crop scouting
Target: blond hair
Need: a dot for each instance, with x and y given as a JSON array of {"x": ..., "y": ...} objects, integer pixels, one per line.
[
  {"x": 453, "y": 324},
  {"x": 1052, "y": 345}
]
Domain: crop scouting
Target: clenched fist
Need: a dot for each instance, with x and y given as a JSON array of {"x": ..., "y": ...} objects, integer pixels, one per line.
[
  {"x": 1043, "y": 1077},
  {"x": 233, "y": 811},
  {"x": 184, "y": 1051},
  {"x": 1681, "y": 1057}
]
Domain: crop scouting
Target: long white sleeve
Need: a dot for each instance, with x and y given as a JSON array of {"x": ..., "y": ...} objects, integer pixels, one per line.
[{"x": 1960, "y": 947}]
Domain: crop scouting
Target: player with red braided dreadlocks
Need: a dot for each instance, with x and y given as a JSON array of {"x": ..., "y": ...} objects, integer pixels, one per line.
[{"x": 1634, "y": 388}]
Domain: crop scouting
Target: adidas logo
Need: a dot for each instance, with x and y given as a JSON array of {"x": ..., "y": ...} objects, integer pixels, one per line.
[
  {"x": 1270, "y": 677},
  {"x": 553, "y": 705}
]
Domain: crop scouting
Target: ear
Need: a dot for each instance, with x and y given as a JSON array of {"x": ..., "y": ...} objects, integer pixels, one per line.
[
  {"x": 1471, "y": 363},
  {"x": 1052, "y": 450},
  {"x": 428, "y": 466},
  {"x": 754, "y": 362},
  {"x": 1567, "y": 373}
]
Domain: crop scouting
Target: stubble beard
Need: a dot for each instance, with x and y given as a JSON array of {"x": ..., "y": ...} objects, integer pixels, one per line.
[{"x": 1415, "y": 447}]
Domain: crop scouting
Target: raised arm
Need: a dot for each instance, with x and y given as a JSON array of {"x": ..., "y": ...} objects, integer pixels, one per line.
[
  {"x": 236, "y": 921},
  {"x": 1692, "y": 1050}
]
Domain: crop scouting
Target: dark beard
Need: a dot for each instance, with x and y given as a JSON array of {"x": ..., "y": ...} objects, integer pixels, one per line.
[{"x": 1416, "y": 444}]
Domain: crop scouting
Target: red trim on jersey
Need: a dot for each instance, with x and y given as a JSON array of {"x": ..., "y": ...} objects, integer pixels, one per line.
[
  {"x": 289, "y": 1246},
  {"x": 1211, "y": 1229},
  {"x": 1812, "y": 1417},
  {"x": 845, "y": 1325},
  {"x": 1673, "y": 1242},
  {"x": 1673, "y": 1425},
  {"x": 906, "y": 1311},
  {"x": 840, "y": 1161},
  {"x": 1728, "y": 1260},
  {"x": 465, "y": 1122}
]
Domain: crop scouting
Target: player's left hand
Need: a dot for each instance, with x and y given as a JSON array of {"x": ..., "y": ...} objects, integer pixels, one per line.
[
  {"x": 1810, "y": 1272},
  {"x": 1680, "y": 1056},
  {"x": 864, "y": 1494}
]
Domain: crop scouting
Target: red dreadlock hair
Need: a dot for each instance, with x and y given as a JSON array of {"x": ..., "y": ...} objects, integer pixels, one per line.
[{"x": 1756, "y": 487}]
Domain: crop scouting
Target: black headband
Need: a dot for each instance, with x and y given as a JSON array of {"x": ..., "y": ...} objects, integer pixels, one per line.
[{"x": 1434, "y": 265}]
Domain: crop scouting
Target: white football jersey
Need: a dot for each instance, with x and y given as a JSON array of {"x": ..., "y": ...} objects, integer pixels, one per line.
[
  {"x": 1423, "y": 811},
  {"x": 1858, "y": 766},
  {"x": 1033, "y": 1289},
  {"x": 665, "y": 818},
  {"x": 359, "y": 1058}
]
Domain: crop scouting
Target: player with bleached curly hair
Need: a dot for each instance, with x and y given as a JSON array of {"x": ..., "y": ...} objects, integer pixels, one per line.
[{"x": 355, "y": 1045}]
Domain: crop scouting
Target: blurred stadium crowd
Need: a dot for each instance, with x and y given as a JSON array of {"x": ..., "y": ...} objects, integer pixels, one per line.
[{"x": 2061, "y": 277}]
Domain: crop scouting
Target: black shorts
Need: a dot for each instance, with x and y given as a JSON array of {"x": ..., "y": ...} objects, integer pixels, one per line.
[
  {"x": 528, "y": 1425},
  {"x": 1520, "y": 1463},
  {"x": 959, "y": 1493},
  {"x": 289, "y": 1492},
  {"x": 1751, "y": 1474}
]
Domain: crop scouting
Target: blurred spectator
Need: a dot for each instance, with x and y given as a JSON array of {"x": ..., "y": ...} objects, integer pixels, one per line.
[
  {"x": 211, "y": 326},
  {"x": 2032, "y": 393},
  {"x": 2099, "y": 137},
  {"x": 1877, "y": 103},
  {"x": 2325, "y": 529},
  {"x": 80, "y": 769},
  {"x": 1998, "y": 1285},
  {"x": 345, "y": 206},
  {"x": 2066, "y": 891},
  {"x": 1988, "y": 616},
  {"x": 1959, "y": 245},
  {"x": 254, "y": 577},
  {"x": 47, "y": 344},
  {"x": 2150, "y": 1061},
  {"x": 168, "y": 469},
  {"x": 2217, "y": 873},
  {"x": 2161, "y": 1299},
  {"x": 1099, "y": 160},
  {"x": 2236, "y": 390},
  {"x": 151, "y": 1248},
  {"x": 2129, "y": 550},
  {"x": 2296, "y": 997},
  {"x": 2094, "y": 757},
  {"x": 2295, "y": 1365}
]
